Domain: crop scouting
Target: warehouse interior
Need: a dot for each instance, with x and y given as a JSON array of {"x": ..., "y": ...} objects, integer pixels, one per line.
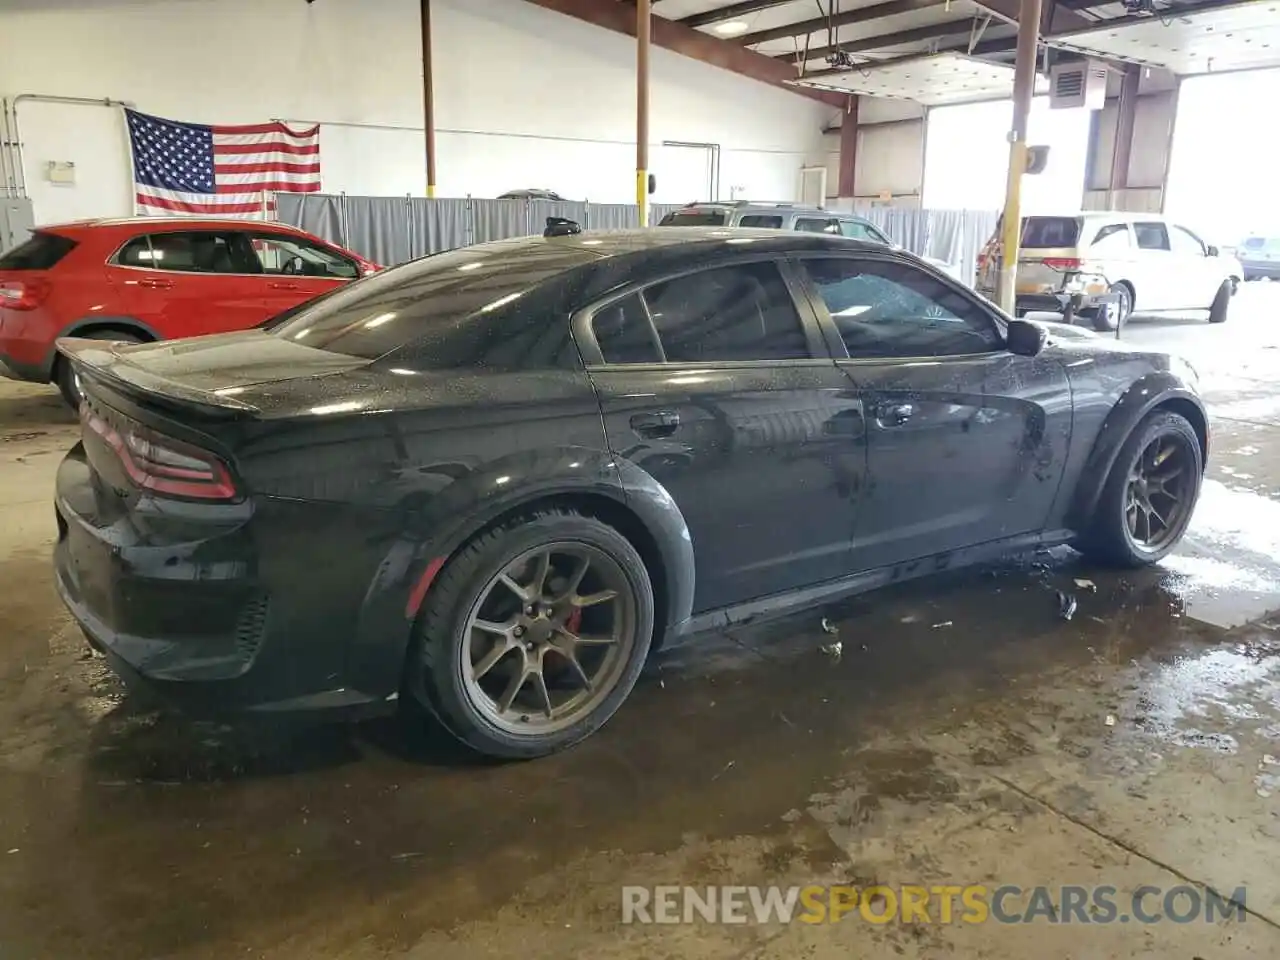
[{"x": 1037, "y": 724}]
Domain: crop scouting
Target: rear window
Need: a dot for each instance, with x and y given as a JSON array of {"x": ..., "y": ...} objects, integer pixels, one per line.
[
  {"x": 452, "y": 307},
  {"x": 1043, "y": 232},
  {"x": 40, "y": 251},
  {"x": 693, "y": 218}
]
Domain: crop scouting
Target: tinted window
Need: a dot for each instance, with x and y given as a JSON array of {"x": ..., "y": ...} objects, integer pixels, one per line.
[
  {"x": 817, "y": 225},
  {"x": 467, "y": 307},
  {"x": 760, "y": 220},
  {"x": 862, "y": 231},
  {"x": 40, "y": 251},
  {"x": 692, "y": 219},
  {"x": 298, "y": 257},
  {"x": 1040, "y": 232},
  {"x": 1111, "y": 239},
  {"x": 894, "y": 310},
  {"x": 197, "y": 252},
  {"x": 1182, "y": 241},
  {"x": 1151, "y": 236},
  {"x": 624, "y": 333},
  {"x": 743, "y": 312}
]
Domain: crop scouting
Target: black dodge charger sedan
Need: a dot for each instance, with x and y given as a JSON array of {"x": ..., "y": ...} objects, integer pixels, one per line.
[{"x": 492, "y": 480}]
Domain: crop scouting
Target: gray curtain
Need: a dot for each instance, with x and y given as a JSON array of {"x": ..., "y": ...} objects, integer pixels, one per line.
[{"x": 955, "y": 236}]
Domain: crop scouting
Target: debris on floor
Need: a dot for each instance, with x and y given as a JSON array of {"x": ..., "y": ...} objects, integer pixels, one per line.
[
  {"x": 1066, "y": 605},
  {"x": 944, "y": 623},
  {"x": 1082, "y": 584},
  {"x": 834, "y": 649}
]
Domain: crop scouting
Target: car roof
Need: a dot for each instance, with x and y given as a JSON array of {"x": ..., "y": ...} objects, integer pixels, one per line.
[
  {"x": 187, "y": 223},
  {"x": 766, "y": 207}
]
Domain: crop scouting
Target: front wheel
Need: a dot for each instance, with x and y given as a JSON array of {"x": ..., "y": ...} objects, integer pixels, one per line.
[
  {"x": 533, "y": 634},
  {"x": 1146, "y": 503}
]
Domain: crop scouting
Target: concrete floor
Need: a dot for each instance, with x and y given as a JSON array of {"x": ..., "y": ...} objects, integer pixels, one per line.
[{"x": 1135, "y": 744}]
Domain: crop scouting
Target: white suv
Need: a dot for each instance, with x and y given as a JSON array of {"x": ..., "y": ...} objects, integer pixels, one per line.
[{"x": 1135, "y": 261}]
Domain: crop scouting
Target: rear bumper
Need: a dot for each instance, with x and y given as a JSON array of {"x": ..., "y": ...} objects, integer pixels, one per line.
[{"x": 219, "y": 624}]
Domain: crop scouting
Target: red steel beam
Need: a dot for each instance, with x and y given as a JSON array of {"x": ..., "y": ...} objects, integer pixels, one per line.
[
  {"x": 847, "y": 186},
  {"x": 621, "y": 18}
]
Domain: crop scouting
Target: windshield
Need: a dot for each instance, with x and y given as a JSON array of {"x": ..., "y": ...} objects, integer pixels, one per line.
[
  {"x": 693, "y": 218},
  {"x": 448, "y": 295}
]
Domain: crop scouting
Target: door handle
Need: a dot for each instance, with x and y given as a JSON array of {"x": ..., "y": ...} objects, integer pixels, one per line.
[
  {"x": 155, "y": 284},
  {"x": 894, "y": 414},
  {"x": 659, "y": 423},
  {"x": 280, "y": 285}
]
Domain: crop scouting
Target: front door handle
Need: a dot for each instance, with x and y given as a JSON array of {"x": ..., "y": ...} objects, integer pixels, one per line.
[
  {"x": 658, "y": 423},
  {"x": 279, "y": 285},
  {"x": 156, "y": 284},
  {"x": 894, "y": 414}
]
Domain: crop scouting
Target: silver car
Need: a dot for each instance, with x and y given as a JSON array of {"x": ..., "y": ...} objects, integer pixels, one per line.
[
  {"x": 785, "y": 216},
  {"x": 1133, "y": 261}
]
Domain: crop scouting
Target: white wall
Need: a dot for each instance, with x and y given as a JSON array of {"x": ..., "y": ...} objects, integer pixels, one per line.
[{"x": 524, "y": 97}]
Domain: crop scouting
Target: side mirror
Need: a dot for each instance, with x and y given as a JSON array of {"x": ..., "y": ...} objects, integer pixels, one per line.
[
  {"x": 1213, "y": 251},
  {"x": 653, "y": 184},
  {"x": 1026, "y": 338}
]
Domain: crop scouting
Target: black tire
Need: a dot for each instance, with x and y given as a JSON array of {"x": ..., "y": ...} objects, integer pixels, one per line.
[
  {"x": 1221, "y": 303},
  {"x": 1106, "y": 321},
  {"x": 434, "y": 672},
  {"x": 65, "y": 377},
  {"x": 1108, "y": 539}
]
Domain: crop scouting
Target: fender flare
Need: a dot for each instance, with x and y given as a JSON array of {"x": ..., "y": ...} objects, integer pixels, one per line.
[
  {"x": 466, "y": 500},
  {"x": 84, "y": 323},
  {"x": 1144, "y": 395}
]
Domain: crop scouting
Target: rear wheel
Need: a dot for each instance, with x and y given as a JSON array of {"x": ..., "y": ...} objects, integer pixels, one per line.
[
  {"x": 533, "y": 634},
  {"x": 1107, "y": 321},
  {"x": 1149, "y": 495},
  {"x": 1221, "y": 303},
  {"x": 65, "y": 377}
]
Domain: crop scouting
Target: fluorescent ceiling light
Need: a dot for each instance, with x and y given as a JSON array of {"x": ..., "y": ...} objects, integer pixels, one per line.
[{"x": 732, "y": 28}]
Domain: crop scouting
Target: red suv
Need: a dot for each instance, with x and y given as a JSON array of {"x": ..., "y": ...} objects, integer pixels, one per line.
[{"x": 153, "y": 278}]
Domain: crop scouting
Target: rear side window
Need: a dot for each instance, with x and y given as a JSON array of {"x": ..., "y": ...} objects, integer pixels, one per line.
[
  {"x": 761, "y": 220},
  {"x": 1151, "y": 236},
  {"x": 692, "y": 218},
  {"x": 743, "y": 312},
  {"x": 1110, "y": 239},
  {"x": 624, "y": 333},
  {"x": 1045, "y": 232},
  {"x": 203, "y": 251},
  {"x": 40, "y": 251}
]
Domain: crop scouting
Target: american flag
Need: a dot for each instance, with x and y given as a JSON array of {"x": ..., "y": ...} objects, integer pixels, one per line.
[{"x": 219, "y": 170}]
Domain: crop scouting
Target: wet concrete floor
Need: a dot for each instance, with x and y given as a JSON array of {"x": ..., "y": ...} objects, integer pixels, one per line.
[{"x": 967, "y": 735}]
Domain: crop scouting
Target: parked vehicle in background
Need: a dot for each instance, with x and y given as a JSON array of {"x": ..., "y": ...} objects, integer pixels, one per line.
[
  {"x": 1260, "y": 258},
  {"x": 1134, "y": 261},
  {"x": 152, "y": 278},
  {"x": 787, "y": 216},
  {"x": 531, "y": 193},
  {"x": 490, "y": 481}
]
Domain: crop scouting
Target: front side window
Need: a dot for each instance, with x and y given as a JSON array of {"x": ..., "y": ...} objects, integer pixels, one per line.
[
  {"x": 1151, "y": 236},
  {"x": 1184, "y": 242},
  {"x": 295, "y": 256},
  {"x": 741, "y": 312},
  {"x": 862, "y": 231},
  {"x": 886, "y": 309},
  {"x": 204, "y": 251}
]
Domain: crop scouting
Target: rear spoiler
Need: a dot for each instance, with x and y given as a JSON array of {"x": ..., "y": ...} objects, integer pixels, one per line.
[{"x": 108, "y": 362}]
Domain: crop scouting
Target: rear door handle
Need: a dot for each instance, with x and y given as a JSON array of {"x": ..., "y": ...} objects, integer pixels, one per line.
[
  {"x": 156, "y": 284},
  {"x": 279, "y": 285},
  {"x": 894, "y": 414},
  {"x": 659, "y": 423}
]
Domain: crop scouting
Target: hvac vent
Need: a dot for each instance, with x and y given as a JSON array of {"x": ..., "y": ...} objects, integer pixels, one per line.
[{"x": 1081, "y": 83}]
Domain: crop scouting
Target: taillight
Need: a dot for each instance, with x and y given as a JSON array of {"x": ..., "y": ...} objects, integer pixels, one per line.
[
  {"x": 164, "y": 465},
  {"x": 23, "y": 294},
  {"x": 1062, "y": 263}
]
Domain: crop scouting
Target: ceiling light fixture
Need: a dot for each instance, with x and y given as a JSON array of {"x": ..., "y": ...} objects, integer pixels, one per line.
[{"x": 732, "y": 28}]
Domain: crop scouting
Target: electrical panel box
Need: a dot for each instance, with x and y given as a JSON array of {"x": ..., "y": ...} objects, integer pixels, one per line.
[
  {"x": 1080, "y": 83},
  {"x": 16, "y": 221}
]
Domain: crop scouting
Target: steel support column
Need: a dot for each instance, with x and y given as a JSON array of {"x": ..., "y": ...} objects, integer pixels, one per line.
[
  {"x": 644, "y": 23},
  {"x": 428, "y": 99},
  {"x": 1024, "y": 82},
  {"x": 848, "y": 149},
  {"x": 1122, "y": 144}
]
